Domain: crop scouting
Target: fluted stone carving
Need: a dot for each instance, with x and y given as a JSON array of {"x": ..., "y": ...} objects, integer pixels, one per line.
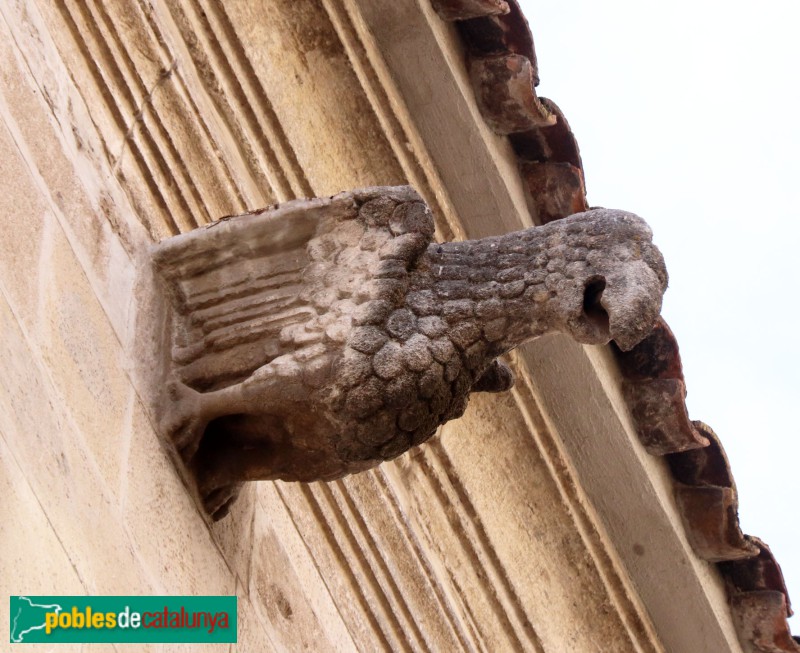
[{"x": 321, "y": 337}]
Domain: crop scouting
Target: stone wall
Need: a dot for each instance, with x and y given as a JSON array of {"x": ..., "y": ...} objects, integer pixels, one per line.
[{"x": 124, "y": 122}]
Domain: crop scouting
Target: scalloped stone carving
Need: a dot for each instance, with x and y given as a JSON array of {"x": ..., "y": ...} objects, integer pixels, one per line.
[{"x": 318, "y": 338}]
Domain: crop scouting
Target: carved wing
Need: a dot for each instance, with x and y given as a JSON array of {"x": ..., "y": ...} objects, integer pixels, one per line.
[{"x": 249, "y": 288}]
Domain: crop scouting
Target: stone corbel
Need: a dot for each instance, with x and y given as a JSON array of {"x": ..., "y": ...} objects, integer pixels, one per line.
[{"x": 321, "y": 337}]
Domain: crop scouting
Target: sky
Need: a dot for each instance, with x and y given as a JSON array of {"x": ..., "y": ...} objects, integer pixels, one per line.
[{"x": 686, "y": 113}]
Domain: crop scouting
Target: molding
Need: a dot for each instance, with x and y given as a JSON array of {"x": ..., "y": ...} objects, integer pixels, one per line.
[
  {"x": 394, "y": 116},
  {"x": 188, "y": 128},
  {"x": 684, "y": 624},
  {"x": 631, "y": 492},
  {"x": 431, "y": 94}
]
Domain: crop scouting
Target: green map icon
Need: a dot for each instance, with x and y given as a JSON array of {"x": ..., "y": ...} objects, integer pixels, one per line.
[{"x": 27, "y": 617}]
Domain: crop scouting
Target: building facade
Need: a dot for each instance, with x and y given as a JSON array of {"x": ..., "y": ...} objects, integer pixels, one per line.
[{"x": 539, "y": 521}]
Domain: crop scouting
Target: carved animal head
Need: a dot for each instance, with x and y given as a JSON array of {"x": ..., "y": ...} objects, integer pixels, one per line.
[
  {"x": 613, "y": 287},
  {"x": 595, "y": 275}
]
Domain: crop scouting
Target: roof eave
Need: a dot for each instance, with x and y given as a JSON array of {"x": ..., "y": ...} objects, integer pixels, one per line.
[{"x": 499, "y": 157}]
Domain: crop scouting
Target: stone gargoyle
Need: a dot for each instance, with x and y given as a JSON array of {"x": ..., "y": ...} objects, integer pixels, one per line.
[{"x": 322, "y": 337}]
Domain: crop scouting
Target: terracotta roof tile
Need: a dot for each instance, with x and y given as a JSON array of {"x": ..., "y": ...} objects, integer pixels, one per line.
[
  {"x": 502, "y": 62},
  {"x": 464, "y": 9}
]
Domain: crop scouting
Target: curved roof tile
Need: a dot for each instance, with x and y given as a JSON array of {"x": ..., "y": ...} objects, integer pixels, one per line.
[{"x": 504, "y": 73}]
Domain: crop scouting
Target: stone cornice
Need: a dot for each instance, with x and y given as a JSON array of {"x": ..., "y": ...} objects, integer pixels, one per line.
[{"x": 177, "y": 112}]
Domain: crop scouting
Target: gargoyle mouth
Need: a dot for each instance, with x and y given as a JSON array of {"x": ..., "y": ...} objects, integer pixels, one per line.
[
  {"x": 593, "y": 310},
  {"x": 627, "y": 307},
  {"x": 590, "y": 322}
]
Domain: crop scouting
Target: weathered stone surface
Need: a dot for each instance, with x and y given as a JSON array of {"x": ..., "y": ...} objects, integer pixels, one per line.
[
  {"x": 368, "y": 340},
  {"x": 442, "y": 349},
  {"x": 417, "y": 353},
  {"x": 394, "y": 340},
  {"x": 432, "y": 326},
  {"x": 401, "y": 324},
  {"x": 388, "y": 362},
  {"x": 149, "y": 159},
  {"x": 366, "y": 399}
]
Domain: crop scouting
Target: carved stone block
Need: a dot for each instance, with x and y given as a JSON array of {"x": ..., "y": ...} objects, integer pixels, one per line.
[{"x": 321, "y": 337}]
